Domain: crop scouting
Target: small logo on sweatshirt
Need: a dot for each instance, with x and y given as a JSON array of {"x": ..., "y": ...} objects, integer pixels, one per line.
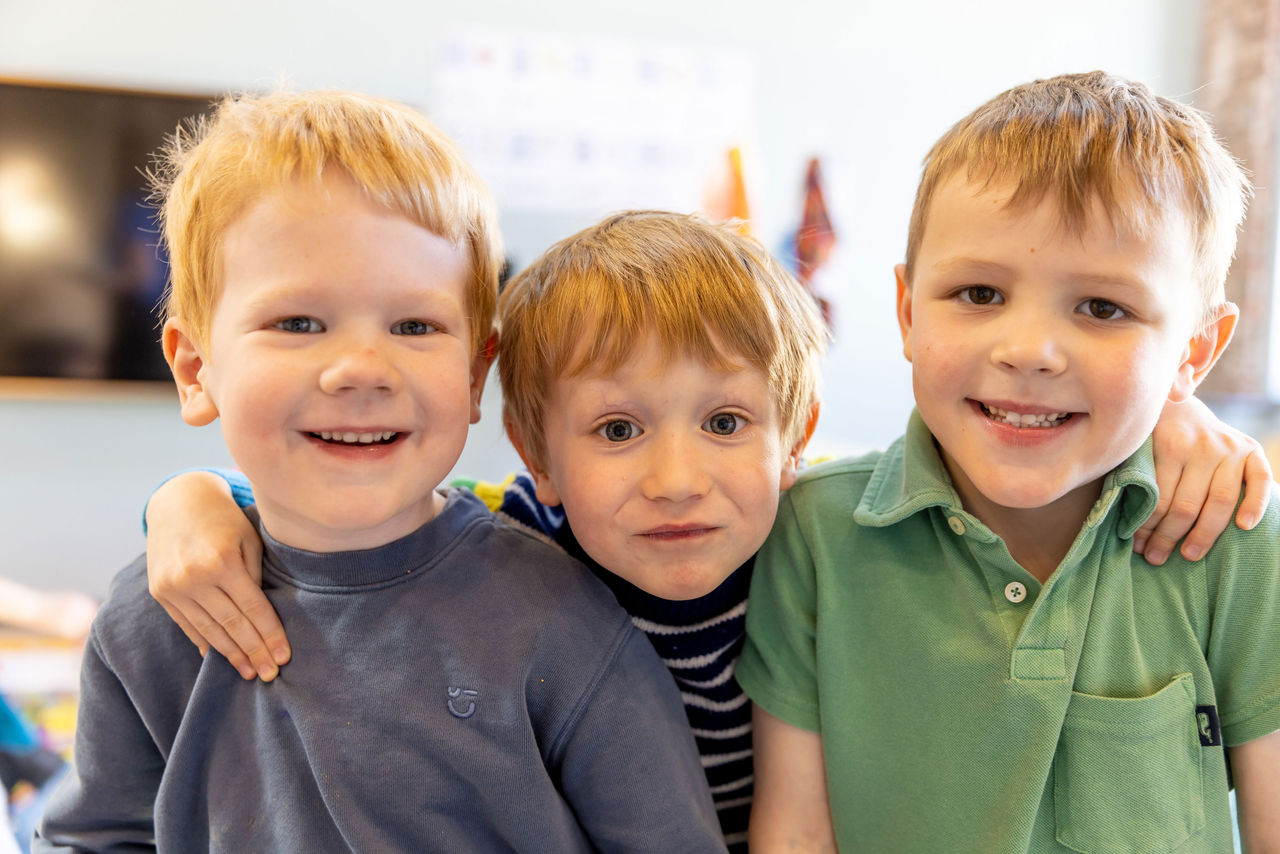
[{"x": 461, "y": 702}]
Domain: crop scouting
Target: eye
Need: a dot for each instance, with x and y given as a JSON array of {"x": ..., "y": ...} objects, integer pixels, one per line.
[
  {"x": 619, "y": 430},
  {"x": 299, "y": 325},
  {"x": 413, "y": 327},
  {"x": 724, "y": 424},
  {"x": 1101, "y": 309},
  {"x": 980, "y": 295}
]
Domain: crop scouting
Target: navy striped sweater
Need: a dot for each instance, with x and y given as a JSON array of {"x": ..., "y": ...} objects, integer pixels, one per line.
[{"x": 699, "y": 640}]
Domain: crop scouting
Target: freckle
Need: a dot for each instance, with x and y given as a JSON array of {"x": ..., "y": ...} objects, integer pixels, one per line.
[{"x": 1033, "y": 250}]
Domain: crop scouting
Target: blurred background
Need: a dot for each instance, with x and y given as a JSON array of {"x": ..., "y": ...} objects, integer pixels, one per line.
[{"x": 570, "y": 109}]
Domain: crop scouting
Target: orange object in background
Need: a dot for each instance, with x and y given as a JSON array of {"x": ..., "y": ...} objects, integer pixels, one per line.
[{"x": 726, "y": 198}]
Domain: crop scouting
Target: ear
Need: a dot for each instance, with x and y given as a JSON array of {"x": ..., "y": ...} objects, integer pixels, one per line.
[
  {"x": 546, "y": 491},
  {"x": 791, "y": 465},
  {"x": 480, "y": 372},
  {"x": 904, "y": 307},
  {"x": 1203, "y": 351},
  {"x": 188, "y": 367}
]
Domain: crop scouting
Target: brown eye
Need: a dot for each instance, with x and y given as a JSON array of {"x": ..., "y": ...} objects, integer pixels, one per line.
[
  {"x": 1102, "y": 309},
  {"x": 981, "y": 295}
]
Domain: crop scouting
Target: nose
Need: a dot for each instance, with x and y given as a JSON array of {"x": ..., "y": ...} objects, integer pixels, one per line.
[
  {"x": 359, "y": 364},
  {"x": 675, "y": 469},
  {"x": 1029, "y": 345}
]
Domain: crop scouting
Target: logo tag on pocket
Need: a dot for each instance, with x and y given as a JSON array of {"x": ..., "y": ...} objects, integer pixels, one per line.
[{"x": 1207, "y": 723}]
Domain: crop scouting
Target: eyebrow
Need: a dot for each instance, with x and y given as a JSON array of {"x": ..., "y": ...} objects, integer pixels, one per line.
[
  {"x": 965, "y": 264},
  {"x": 979, "y": 266}
]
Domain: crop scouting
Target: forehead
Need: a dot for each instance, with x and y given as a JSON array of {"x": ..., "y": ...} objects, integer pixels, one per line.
[
  {"x": 988, "y": 217},
  {"x": 329, "y": 235}
]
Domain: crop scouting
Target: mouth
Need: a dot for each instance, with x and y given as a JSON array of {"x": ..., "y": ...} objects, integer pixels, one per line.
[
  {"x": 1032, "y": 420},
  {"x": 351, "y": 437},
  {"x": 674, "y": 533}
]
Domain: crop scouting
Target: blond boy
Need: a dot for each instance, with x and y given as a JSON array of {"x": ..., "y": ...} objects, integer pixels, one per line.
[
  {"x": 456, "y": 684},
  {"x": 951, "y": 645}
]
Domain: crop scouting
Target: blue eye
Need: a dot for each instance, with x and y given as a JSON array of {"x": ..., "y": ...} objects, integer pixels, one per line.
[
  {"x": 301, "y": 325},
  {"x": 619, "y": 430},
  {"x": 413, "y": 327},
  {"x": 724, "y": 424},
  {"x": 1101, "y": 309}
]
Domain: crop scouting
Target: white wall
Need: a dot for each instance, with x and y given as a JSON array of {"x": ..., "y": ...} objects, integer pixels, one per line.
[{"x": 866, "y": 86}]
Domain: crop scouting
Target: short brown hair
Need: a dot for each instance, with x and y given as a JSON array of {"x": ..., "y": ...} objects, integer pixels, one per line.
[
  {"x": 211, "y": 170},
  {"x": 1079, "y": 137},
  {"x": 702, "y": 288}
]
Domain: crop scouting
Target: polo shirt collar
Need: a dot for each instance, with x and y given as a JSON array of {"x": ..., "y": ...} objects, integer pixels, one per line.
[{"x": 910, "y": 478}]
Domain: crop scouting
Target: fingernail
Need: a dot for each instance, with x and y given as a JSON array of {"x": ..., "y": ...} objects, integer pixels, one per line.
[
  {"x": 1156, "y": 557},
  {"x": 1248, "y": 521},
  {"x": 247, "y": 672},
  {"x": 1139, "y": 543},
  {"x": 1192, "y": 552},
  {"x": 281, "y": 655},
  {"x": 268, "y": 673}
]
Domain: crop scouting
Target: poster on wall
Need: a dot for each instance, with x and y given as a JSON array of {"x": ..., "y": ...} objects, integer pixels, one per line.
[{"x": 568, "y": 124}]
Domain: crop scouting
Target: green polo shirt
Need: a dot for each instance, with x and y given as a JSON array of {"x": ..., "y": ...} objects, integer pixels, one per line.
[{"x": 964, "y": 706}]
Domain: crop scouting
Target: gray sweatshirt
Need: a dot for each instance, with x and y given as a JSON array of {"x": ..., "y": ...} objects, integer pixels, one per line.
[{"x": 464, "y": 688}]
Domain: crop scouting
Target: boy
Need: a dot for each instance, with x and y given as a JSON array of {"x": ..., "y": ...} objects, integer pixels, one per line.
[
  {"x": 333, "y": 285},
  {"x": 629, "y": 356},
  {"x": 951, "y": 645},
  {"x": 662, "y": 379}
]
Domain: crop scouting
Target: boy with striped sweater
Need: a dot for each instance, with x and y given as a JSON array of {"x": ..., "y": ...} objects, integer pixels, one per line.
[{"x": 660, "y": 376}]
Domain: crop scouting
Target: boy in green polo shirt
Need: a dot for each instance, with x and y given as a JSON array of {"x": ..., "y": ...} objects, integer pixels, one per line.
[{"x": 951, "y": 645}]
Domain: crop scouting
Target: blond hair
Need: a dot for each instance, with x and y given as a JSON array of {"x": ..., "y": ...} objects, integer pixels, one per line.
[
  {"x": 212, "y": 169},
  {"x": 1080, "y": 137},
  {"x": 701, "y": 288}
]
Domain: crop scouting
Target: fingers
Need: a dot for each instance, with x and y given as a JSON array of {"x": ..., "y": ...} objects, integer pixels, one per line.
[
  {"x": 1257, "y": 490},
  {"x": 225, "y": 627},
  {"x": 1221, "y": 496},
  {"x": 246, "y": 614},
  {"x": 204, "y": 631},
  {"x": 258, "y": 611}
]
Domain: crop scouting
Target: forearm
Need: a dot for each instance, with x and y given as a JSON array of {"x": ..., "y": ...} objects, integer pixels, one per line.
[
  {"x": 790, "y": 812},
  {"x": 1256, "y": 767}
]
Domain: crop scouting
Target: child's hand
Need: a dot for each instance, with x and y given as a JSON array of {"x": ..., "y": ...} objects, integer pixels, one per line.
[
  {"x": 1200, "y": 463},
  {"x": 204, "y": 565}
]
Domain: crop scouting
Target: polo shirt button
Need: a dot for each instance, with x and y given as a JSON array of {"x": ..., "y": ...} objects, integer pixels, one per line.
[
  {"x": 1015, "y": 591},
  {"x": 957, "y": 526}
]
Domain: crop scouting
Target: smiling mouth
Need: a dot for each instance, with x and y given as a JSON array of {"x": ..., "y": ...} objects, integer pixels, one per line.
[
  {"x": 384, "y": 437},
  {"x": 1040, "y": 420}
]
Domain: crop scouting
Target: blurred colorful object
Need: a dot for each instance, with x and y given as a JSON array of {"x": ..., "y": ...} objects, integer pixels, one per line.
[
  {"x": 726, "y": 198},
  {"x": 815, "y": 237}
]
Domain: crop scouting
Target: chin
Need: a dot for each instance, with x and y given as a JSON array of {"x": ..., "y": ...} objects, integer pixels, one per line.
[{"x": 682, "y": 585}]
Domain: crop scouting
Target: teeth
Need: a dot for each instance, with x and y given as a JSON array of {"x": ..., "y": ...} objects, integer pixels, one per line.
[
  {"x": 356, "y": 438},
  {"x": 1017, "y": 419}
]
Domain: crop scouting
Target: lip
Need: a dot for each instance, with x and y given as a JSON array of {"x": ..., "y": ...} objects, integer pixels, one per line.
[
  {"x": 1020, "y": 408},
  {"x": 362, "y": 450},
  {"x": 678, "y": 533}
]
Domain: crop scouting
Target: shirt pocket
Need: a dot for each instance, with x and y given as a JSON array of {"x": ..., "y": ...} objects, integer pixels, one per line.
[{"x": 1127, "y": 772}]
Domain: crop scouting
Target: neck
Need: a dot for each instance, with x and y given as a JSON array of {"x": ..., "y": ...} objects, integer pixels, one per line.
[{"x": 1038, "y": 538}]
